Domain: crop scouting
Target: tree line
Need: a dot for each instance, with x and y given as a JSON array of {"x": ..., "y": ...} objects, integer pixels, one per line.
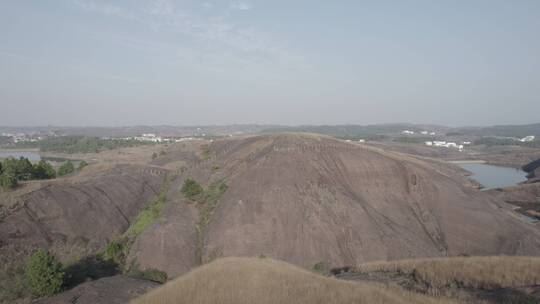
[
  {"x": 13, "y": 170},
  {"x": 80, "y": 144}
]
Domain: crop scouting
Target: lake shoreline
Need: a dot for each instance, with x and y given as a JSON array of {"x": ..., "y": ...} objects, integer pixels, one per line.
[{"x": 491, "y": 176}]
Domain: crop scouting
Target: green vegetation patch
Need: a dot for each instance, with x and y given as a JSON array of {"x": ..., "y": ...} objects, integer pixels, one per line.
[
  {"x": 149, "y": 214},
  {"x": 191, "y": 189},
  {"x": 66, "y": 168},
  {"x": 82, "y": 164},
  {"x": 206, "y": 205},
  {"x": 82, "y": 144},
  {"x": 322, "y": 268},
  {"x": 44, "y": 274},
  {"x": 13, "y": 170}
]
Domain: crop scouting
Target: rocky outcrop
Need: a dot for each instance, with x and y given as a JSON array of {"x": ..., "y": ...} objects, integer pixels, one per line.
[
  {"x": 533, "y": 168},
  {"x": 78, "y": 216},
  {"x": 308, "y": 199}
]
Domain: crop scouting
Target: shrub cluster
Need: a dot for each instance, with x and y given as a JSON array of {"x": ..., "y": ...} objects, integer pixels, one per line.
[
  {"x": 191, "y": 188},
  {"x": 13, "y": 170},
  {"x": 66, "y": 168},
  {"x": 44, "y": 274}
]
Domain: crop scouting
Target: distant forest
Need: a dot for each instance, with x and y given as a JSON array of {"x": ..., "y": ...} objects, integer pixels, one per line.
[{"x": 80, "y": 144}]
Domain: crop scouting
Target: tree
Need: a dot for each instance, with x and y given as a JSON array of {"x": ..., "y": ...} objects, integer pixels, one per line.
[
  {"x": 191, "y": 188},
  {"x": 43, "y": 170},
  {"x": 21, "y": 168},
  {"x": 44, "y": 274},
  {"x": 66, "y": 168},
  {"x": 7, "y": 181},
  {"x": 24, "y": 169},
  {"x": 154, "y": 155}
]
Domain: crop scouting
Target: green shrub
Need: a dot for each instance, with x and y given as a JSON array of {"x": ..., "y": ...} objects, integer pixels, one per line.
[
  {"x": 191, "y": 188},
  {"x": 66, "y": 168},
  {"x": 44, "y": 170},
  {"x": 82, "y": 164},
  {"x": 7, "y": 181},
  {"x": 44, "y": 274},
  {"x": 114, "y": 252},
  {"x": 322, "y": 268}
]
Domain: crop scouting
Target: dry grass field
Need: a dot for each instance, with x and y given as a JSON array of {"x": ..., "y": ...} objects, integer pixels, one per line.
[
  {"x": 473, "y": 272},
  {"x": 266, "y": 281}
]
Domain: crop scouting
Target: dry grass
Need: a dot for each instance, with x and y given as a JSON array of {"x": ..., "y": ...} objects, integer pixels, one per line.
[
  {"x": 475, "y": 272},
  {"x": 266, "y": 281}
]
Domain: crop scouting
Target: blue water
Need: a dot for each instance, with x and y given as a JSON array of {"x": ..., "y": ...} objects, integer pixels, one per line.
[
  {"x": 494, "y": 176},
  {"x": 33, "y": 156}
]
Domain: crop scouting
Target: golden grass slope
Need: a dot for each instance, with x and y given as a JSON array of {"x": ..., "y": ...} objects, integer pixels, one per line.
[
  {"x": 475, "y": 272},
  {"x": 266, "y": 281}
]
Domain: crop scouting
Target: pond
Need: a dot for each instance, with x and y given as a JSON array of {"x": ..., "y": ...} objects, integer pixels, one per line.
[
  {"x": 494, "y": 176},
  {"x": 32, "y": 156}
]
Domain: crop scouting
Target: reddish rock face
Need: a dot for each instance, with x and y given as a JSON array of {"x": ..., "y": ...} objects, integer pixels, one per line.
[
  {"x": 78, "y": 216},
  {"x": 307, "y": 199}
]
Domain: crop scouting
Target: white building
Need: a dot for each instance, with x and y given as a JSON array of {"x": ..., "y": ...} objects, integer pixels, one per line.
[
  {"x": 361, "y": 141},
  {"x": 424, "y": 132},
  {"x": 429, "y": 143},
  {"x": 149, "y": 137},
  {"x": 407, "y": 132},
  {"x": 527, "y": 138}
]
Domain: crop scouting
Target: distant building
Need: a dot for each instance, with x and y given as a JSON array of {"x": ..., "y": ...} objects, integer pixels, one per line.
[
  {"x": 466, "y": 142},
  {"x": 424, "y": 132},
  {"x": 527, "y": 138},
  {"x": 444, "y": 144},
  {"x": 407, "y": 132},
  {"x": 361, "y": 141},
  {"x": 149, "y": 137}
]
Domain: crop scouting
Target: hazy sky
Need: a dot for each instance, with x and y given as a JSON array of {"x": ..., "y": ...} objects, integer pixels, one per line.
[{"x": 89, "y": 62}]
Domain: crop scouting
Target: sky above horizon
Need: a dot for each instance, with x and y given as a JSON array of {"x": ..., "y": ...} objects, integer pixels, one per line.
[{"x": 114, "y": 63}]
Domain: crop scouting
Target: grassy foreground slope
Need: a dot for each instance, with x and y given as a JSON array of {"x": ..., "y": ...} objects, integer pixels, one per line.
[{"x": 266, "y": 281}]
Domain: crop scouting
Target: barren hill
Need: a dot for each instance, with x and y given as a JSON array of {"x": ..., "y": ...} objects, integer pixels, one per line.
[
  {"x": 308, "y": 199},
  {"x": 301, "y": 198}
]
